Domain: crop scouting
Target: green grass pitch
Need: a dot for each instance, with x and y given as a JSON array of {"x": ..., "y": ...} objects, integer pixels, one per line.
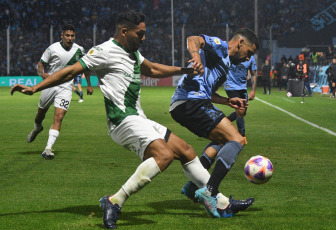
[{"x": 63, "y": 193}]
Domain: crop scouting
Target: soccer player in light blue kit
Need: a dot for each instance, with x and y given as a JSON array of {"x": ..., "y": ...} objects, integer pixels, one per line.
[
  {"x": 236, "y": 86},
  {"x": 192, "y": 107}
]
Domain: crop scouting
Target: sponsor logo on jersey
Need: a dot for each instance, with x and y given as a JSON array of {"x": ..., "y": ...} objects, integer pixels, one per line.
[
  {"x": 217, "y": 41},
  {"x": 135, "y": 77}
]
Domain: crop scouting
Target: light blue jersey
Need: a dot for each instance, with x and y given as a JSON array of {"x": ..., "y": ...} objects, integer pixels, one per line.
[
  {"x": 216, "y": 63},
  {"x": 237, "y": 77}
]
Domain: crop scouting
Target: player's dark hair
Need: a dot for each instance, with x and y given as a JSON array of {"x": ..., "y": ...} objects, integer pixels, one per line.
[
  {"x": 249, "y": 35},
  {"x": 68, "y": 27},
  {"x": 130, "y": 18}
]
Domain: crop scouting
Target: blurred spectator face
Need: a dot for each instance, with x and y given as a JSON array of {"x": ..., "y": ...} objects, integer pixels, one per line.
[
  {"x": 266, "y": 61},
  {"x": 334, "y": 61},
  {"x": 68, "y": 38}
]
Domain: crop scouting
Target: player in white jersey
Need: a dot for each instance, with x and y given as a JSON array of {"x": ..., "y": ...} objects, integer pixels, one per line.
[
  {"x": 118, "y": 65},
  {"x": 56, "y": 57}
]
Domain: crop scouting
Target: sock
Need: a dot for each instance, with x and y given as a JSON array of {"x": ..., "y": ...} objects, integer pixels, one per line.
[
  {"x": 241, "y": 126},
  {"x": 145, "y": 172},
  {"x": 232, "y": 116},
  {"x": 217, "y": 176},
  {"x": 207, "y": 161},
  {"x": 81, "y": 95},
  {"x": 225, "y": 159},
  {"x": 53, "y": 134},
  {"x": 76, "y": 91},
  {"x": 222, "y": 201},
  {"x": 196, "y": 173},
  {"x": 37, "y": 126}
]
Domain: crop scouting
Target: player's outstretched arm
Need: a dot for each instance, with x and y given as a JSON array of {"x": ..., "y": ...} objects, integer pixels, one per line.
[
  {"x": 61, "y": 76},
  {"x": 89, "y": 89},
  {"x": 235, "y": 103},
  {"x": 254, "y": 85},
  {"x": 194, "y": 44},
  {"x": 156, "y": 70}
]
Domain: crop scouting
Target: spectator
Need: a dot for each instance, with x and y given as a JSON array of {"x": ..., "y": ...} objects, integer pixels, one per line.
[{"x": 266, "y": 76}]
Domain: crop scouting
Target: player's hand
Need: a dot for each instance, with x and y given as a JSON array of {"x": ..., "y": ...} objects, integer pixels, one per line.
[
  {"x": 237, "y": 103},
  {"x": 45, "y": 75},
  {"x": 197, "y": 64},
  {"x": 23, "y": 89},
  {"x": 251, "y": 95},
  {"x": 89, "y": 90}
]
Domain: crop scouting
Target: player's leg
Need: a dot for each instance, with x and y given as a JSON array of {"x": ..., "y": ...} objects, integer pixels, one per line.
[
  {"x": 46, "y": 99},
  {"x": 61, "y": 105},
  {"x": 226, "y": 134},
  {"x": 40, "y": 115},
  {"x": 79, "y": 85},
  {"x": 149, "y": 140},
  {"x": 54, "y": 133}
]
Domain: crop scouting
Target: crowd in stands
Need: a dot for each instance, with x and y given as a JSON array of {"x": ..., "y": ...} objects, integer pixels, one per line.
[{"x": 29, "y": 23}]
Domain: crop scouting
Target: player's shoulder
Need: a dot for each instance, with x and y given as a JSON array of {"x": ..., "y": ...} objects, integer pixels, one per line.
[{"x": 77, "y": 46}]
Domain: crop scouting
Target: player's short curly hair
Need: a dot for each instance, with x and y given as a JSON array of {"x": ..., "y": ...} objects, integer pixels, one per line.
[
  {"x": 68, "y": 27},
  {"x": 130, "y": 18},
  {"x": 249, "y": 35}
]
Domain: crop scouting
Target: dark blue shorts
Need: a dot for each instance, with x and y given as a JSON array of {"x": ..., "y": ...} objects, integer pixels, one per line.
[
  {"x": 237, "y": 93},
  {"x": 199, "y": 116},
  {"x": 78, "y": 79}
]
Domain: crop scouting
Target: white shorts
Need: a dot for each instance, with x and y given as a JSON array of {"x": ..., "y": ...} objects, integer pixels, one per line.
[
  {"x": 61, "y": 97},
  {"x": 136, "y": 133}
]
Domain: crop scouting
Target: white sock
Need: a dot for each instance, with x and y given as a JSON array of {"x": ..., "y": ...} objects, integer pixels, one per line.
[
  {"x": 222, "y": 201},
  {"x": 196, "y": 173},
  {"x": 53, "y": 134},
  {"x": 37, "y": 126},
  {"x": 145, "y": 172}
]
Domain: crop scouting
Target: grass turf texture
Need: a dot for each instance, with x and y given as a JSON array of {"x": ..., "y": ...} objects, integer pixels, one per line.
[{"x": 63, "y": 193}]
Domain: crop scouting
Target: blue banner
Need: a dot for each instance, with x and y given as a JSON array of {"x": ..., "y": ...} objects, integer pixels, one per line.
[
  {"x": 320, "y": 78},
  {"x": 324, "y": 18}
]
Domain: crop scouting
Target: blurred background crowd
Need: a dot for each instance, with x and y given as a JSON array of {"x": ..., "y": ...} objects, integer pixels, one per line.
[{"x": 30, "y": 23}]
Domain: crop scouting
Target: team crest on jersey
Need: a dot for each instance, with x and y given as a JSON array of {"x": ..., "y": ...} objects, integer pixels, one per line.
[
  {"x": 91, "y": 51},
  {"x": 217, "y": 41}
]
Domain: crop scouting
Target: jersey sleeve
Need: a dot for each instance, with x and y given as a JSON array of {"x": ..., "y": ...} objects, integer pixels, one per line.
[
  {"x": 253, "y": 66},
  {"x": 83, "y": 51},
  {"x": 215, "y": 44},
  {"x": 141, "y": 58},
  {"x": 95, "y": 59},
  {"x": 46, "y": 56}
]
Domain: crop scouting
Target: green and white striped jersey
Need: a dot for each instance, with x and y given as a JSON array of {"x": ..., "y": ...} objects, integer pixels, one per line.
[
  {"x": 57, "y": 57},
  {"x": 119, "y": 77}
]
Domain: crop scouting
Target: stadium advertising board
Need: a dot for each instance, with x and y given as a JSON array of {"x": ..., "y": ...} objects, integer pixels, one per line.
[
  {"x": 148, "y": 81},
  {"x": 34, "y": 80}
]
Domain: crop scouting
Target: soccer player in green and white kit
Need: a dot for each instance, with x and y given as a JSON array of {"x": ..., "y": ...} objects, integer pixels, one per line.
[
  {"x": 56, "y": 57},
  {"x": 118, "y": 65}
]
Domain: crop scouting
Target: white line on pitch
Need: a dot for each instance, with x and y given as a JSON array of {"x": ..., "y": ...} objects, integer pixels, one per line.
[{"x": 299, "y": 118}]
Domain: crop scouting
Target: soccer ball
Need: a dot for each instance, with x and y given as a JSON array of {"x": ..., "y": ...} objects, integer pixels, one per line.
[
  {"x": 258, "y": 169},
  {"x": 289, "y": 94}
]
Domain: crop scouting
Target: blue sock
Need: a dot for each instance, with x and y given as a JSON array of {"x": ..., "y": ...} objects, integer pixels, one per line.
[
  {"x": 232, "y": 116},
  {"x": 241, "y": 126},
  {"x": 207, "y": 161},
  {"x": 225, "y": 159},
  {"x": 81, "y": 94}
]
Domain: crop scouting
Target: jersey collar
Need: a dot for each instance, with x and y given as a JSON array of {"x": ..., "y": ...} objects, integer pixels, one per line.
[{"x": 115, "y": 42}]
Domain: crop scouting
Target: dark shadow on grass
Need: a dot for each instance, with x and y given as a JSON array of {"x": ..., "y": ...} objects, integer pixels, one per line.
[
  {"x": 128, "y": 218},
  {"x": 38, "y": 152}
]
